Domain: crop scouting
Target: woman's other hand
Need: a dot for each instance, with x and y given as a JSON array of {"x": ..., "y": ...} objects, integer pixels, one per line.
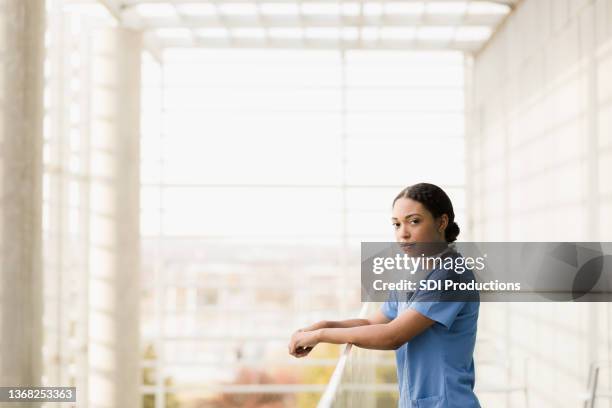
[
  {"x": 315, "y": 326},
  {"x": 302, "y": 342}
]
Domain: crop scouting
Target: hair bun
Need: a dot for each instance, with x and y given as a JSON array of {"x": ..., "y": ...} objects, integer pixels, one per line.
[{"x": 451, "y": 232}]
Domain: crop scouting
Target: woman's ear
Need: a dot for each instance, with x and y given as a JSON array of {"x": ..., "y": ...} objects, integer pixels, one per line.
[{"x": 443, "y": 223}]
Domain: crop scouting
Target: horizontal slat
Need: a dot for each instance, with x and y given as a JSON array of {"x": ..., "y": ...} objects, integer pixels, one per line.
[
  {"x": 268, "y": 388},
  {"x": 468, "y": 46},
  {"x": 240, "y": 388},
  {"x": 316, "y": 362},
  {"x": 310, "y": 21}
]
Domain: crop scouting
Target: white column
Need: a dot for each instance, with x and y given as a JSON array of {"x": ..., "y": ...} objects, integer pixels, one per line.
[
  {"x": 21, "y": 114},
  {"x": 114, "y": 347}
]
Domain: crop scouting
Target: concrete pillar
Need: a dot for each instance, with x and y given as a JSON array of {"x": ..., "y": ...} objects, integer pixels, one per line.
[
  {"x": 21, "y": 116},
  {"x": 114, "y": 347}
]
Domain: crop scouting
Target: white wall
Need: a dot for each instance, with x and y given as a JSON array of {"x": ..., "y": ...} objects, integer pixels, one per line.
[{"x": 539, "y": 147}]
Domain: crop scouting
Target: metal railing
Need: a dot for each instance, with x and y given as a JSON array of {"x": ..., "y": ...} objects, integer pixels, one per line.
[{"x": 362, "y": 378}]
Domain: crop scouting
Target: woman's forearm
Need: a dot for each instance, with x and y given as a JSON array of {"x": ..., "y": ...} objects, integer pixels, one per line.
[
  {"x": 371, "y": 336},
  {"x": 345, "y": 324},
  {"x": 329, "y": 324}
]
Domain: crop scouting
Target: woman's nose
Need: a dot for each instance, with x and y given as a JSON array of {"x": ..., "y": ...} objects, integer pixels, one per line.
[{"x": 404, "y": 233}]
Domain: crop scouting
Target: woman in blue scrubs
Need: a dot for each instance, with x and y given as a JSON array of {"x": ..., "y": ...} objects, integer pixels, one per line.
[{"x": 433, "y": 340}]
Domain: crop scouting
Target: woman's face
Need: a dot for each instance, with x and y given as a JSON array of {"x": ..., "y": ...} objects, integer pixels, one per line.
[{"x": 414, "y": 223}]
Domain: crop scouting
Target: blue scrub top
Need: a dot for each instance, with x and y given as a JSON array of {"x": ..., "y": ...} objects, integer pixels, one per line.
[{"x": 436, "y": 368}]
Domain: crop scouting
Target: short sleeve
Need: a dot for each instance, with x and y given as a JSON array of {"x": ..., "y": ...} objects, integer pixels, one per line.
[
  {"x": 444, "y": 313},
  {"x": 439, "y": 305},
  {"x": 389, "y": 308}
]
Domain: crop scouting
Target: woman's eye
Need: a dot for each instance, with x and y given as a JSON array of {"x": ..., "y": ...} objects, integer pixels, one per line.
[
  {"x": 414, "y": 221},
  {"x": 396, "y": 225}
]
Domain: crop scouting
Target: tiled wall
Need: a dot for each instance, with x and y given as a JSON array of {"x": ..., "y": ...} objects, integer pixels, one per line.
[{"x": 539, "y": 168}]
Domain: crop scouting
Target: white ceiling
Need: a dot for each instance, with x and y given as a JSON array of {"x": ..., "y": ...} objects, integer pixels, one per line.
[{"x": 463, "y": 25}]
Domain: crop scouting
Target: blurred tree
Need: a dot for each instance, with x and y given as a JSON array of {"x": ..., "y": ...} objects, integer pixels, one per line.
[
  {"x": 255, "y": 400},
  {"x": 317, "y": 374},
  {"x": 149, "y": 375},
  {"x": 386, "y": 374}
]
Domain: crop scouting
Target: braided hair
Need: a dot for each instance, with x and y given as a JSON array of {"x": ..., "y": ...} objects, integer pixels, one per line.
[{"x": 437, "y": 203}]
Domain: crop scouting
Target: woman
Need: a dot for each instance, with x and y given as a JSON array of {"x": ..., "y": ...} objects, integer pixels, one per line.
[{"x": 433, "y": 340}]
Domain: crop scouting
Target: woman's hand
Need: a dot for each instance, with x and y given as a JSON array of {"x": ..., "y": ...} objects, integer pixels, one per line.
[{"x": 302, "y": 342}]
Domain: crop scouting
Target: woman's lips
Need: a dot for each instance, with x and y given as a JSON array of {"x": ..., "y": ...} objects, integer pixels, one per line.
[{"x": 407, "y": 247}]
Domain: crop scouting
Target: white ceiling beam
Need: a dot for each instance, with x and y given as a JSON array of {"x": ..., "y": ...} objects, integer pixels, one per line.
[
  {"x": 297, "y": 43},
  {"x": 115, "y": 9},
  {"x": 464, "y": 17},
  {"x": 293, "y": 21},
  {"x": 129, "y": 3}
]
